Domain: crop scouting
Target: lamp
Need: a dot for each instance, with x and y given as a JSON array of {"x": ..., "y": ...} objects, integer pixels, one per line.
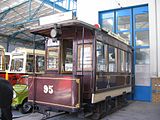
[{"x": 53, "y": 33}]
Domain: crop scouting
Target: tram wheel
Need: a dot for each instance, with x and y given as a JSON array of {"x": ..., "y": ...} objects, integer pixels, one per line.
[
  {"x": 108, "y": 105},
  {"x": 25, "y": 108}
]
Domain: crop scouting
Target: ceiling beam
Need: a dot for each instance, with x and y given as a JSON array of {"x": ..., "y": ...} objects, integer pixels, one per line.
[
  {"x": 14, "y": 6},
  {"x": 4, "y": 14},
  {"x": 19, "y": 39},
  {"x": 19, "y": 23},
  {"x": 37, "y": 10},
  {"x": 56, "y": 6},
  {"x": 15, "y": 38}
]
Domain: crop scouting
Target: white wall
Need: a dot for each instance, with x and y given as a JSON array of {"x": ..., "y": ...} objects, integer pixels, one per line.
[{"x": 87, "y": 10}]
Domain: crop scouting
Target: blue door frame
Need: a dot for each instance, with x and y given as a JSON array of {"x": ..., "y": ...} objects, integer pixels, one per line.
[{"x": 142, "y": 93}]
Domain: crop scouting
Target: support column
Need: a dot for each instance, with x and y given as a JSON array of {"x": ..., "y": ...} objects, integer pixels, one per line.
[
  {"x": 153, "y": 39},
  {"x": 158, "y": 34},
  {"x": 8, "y": 41}
]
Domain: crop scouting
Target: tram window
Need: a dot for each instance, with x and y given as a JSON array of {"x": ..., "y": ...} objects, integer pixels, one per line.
[
  {"x": 0, "y": 60},
  {"x": 52, "y": 58},
  {"x": 102, "y": 57},
  {"x": 67, "y": 55},
  {"x": 112, "y": 59},
  {"x": 39, "y": 63},
  {"x": 17, "y": 64},
  {"x": 86, "y": 57},
  {"x": 128, "y": 63},
  {"x": 30, "y": 62},
  {"x": 7, "y": 59},
  {"x": 122, "y": 61}
]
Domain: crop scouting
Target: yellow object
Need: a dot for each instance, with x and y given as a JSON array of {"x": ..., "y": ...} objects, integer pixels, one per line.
[{"x": 6, "y": 75}]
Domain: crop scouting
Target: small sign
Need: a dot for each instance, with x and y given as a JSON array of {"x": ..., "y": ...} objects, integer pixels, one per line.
[
  {"x": 55, "y": 18},
  {"x": 51, "y": 42}
]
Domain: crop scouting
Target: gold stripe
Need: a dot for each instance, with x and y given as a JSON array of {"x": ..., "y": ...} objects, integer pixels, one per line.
[
  {"x": 97, "y": 97},
  {"x": 79, "y": 93},
  {"x": 53, "y": 104},
  {"x": 74, "y": 79},
  {"x": 115, "y": 75}
]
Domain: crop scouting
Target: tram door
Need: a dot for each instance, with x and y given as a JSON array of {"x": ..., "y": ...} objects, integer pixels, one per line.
[
  {"x": 67, "y": 56},
  {"x": 85, "y": 68}
]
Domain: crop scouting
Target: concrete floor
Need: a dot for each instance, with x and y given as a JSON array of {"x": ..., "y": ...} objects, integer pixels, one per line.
[{"x": 134, "y": 111}]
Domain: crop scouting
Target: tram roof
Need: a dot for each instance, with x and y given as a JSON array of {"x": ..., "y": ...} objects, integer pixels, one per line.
[
  {"x": 44, "y": 29},
  {"x": 73, "y": 22}
]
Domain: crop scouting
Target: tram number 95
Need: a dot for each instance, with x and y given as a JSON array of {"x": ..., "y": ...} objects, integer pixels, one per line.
[{"x": 48, "y": 89}]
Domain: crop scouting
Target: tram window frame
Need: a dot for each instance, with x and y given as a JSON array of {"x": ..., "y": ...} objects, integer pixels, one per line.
[
  {"x": 128, "y": 62},
  {"x": 30, "y": 64},
  {"x": 40, "y": 68},
  {"x": 115, "y": 69},
  {"x": 122, "y": 61},
  {"x": 49, "y": 49},
  {"x": 68, "y": 51},
  {"x": 1, "y": 60},
  {"x": 104, "y": 57},
  {"x": 79, "y": 66},
  {"x": 17, "y": 64}
]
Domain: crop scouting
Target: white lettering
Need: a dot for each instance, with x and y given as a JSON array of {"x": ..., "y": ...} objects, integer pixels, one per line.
[{"x": 48, "y": 89}]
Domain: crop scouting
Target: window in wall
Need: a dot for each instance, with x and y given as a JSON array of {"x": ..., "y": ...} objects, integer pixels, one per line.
[
  {"x": 102, "y": 57},
  {"x": 125, "y": 35},
  {"x": 107, "y": 24},
  {"x": 142, "y": 38},
  {"x": 141, "y": 24},
  {"x": 142, "y": 21},
  {"x": 123, "y": 23},
  {"x": 142, "y": 56},
  {"x": 86, "y": 58},
  {"x": 108, "y": 21},
  {"x": 112, "y": 59}
]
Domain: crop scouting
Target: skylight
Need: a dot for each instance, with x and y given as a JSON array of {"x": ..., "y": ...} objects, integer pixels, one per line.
[{"x": 6, "y": 4}]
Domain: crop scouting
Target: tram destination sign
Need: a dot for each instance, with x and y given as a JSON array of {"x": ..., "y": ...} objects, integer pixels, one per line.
[{"x": 56, "y": 18}]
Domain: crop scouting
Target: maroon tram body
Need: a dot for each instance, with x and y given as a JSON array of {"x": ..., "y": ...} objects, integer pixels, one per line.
[
  {"x": 84, "y": 67},
  {"x": 62, "y": 92}
]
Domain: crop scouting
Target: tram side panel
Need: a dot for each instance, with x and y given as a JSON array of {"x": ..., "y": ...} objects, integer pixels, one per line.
[
  {"x": 2, "y": 65},
  {"x": 2, "y": 74},
  {"x": 108, "y": 83},
  {"x": 61, "y": 93}
]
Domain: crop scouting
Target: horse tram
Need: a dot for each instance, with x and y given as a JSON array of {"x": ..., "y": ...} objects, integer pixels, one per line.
[{"x": 87, "y": 70}]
